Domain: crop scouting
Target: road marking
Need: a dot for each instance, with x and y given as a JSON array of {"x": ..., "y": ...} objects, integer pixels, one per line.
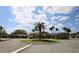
[{"x": 19, "y": 50}]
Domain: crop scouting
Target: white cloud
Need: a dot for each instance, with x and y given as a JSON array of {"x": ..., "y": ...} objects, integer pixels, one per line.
[
  {"x": 24, "y": 16},
  {"x": 76, "y": 19},
  {"x": 77, "y": 16},
  {"x": 60, "y": 18},
  {"x": 58, "y": 9},
  {"x": 60, "y": 25},
  {"x": 41, "y": 17},
  {"x": 56, "y": 17},
  {"x": 63, "y": 18}
]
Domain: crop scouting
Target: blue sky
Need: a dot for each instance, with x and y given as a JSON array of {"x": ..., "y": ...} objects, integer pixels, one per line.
[{"x": 24, "y": 17}]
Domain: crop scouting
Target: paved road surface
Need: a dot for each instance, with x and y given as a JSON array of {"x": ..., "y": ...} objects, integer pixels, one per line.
[
  {"x": 10, "y": 46},
  {"x": 65, "y": 46}
]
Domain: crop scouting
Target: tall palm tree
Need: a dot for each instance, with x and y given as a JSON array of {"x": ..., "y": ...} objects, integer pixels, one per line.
[
  {"x": 40, "y": 28},
  {"x": 51, "y": 28},
  {"x": 67, "y": 30}
]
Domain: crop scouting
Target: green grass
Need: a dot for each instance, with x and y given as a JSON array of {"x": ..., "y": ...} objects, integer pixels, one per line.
[{"x": 38, "y": 42}]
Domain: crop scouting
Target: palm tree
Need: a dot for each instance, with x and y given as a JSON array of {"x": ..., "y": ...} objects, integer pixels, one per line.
[
  {"x": 1, "y": 29},
  {"x": 67, "y": 30},
  {"x": 56, "y": 29},
  {"x": 51, "y": 29},
  {"x": 40, "y": 28},
  {"x": 33, "y": 30},
  {"x": 34, "y": 35}
]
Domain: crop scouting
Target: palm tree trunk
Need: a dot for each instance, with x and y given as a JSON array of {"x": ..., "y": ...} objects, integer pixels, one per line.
[
  {"x": 43, "y": 34},
  {"x": 51, "y": 33},
  {"x": 68, "y": 35},
  {"x": 39, "y": 33}
]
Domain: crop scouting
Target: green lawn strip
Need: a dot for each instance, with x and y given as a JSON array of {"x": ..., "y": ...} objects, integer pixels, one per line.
[{"x": 38, "y": 42}]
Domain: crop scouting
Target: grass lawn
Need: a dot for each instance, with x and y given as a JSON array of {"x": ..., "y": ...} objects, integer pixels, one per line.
[{"x": 38, "y": 42}]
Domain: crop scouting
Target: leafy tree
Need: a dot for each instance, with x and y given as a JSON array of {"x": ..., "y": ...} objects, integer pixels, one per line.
[
  {"x": 3, "y": 33},
  {"x": 19, "y": 31}
]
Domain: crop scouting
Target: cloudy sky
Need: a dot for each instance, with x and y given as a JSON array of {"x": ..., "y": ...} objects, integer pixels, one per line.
[{"x": 24, "y": 17}]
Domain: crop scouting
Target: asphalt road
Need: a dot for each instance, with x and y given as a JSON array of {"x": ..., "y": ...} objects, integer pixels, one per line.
[
  {"x": 64, "y": 46},
  {"x": 10, "y": 46}
]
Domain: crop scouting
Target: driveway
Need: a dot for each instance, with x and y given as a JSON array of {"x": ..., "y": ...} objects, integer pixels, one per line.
[
  {"x": 64, "y": 46},
  {"x": 10, "y": 46}
]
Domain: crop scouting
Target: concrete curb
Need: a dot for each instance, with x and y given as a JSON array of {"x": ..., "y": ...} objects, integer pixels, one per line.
[{"x": 19, "y": 50}]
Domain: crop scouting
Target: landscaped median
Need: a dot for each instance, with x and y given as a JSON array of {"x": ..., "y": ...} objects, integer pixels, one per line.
[{"x": 39, "y": 42}]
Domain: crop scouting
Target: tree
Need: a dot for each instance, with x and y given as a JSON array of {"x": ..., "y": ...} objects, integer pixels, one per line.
[
  {"x": 56, "y": 29},
  {"x": 40, "y": 28},
  {"x": 33, "y": 30},
  {"x": 4, "y": 34},
  {"x": 51, "y": 29},
  {"x": 34, "y": 35},
  {"x": 19, "y": 33},
  {"x": 67, "y": 30},
  {"x": 1, "y": 29}
]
